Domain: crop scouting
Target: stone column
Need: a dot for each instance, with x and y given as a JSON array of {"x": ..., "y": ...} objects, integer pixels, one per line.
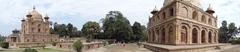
[
  {"x": 217, "y": 37},
  {"x": 166, "y": 35},
  {"x": 177, "y": 34},
  {"x": 189, "y": 35},
  {"x": 206, "y": 36},
  {"x": 160, "y": 36},
  {"x": 199, "y": 36}
]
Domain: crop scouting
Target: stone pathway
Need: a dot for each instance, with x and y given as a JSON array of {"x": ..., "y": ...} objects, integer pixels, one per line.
[
  {"x": 229, "y": 48},
  {"x": 120, "y": 48},
  {"x": 236, "y": 48}
]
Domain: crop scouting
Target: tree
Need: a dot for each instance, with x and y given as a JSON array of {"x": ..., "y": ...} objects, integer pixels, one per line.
[
  {"x": 29, "y": 50},
  {"x": 232, "y": 31},
  {"x": 91, "y": 29},
  {"x": 223, "y": 31},
  {"x": 69, "y": 29},
  {"x": 64, "y": 30},
  {"x": 226, "y": 33},
  {"x": 116, "y": 26},
  {"x": 77, "y": 46},
  {"x": 5, "y": 45},
  {"x": 138, "y": 32}
]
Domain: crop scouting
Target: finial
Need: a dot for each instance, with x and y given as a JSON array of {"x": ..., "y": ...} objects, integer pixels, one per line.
[
  {"x": 34, "y": 7},
  {"x": 209, "y": 7},
  {"x": 155, "y": 8},
  {"x": 46, "y": 15}
]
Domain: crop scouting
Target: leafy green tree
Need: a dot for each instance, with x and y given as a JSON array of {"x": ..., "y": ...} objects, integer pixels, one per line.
[
  {"x": 232, "y": 30},
  {"x": 144, "y": 29},
  {"x": 5, "y": 45},
  {"x": 69, "y": 29},
  {"x": 227, "y": 32},
  {"x": 91, "y": 29},
  {"x": 116, "y": 26},
  {"x": 2, "y": 38},
  {"x": 29, "y": 50},
  {"x": 64, "y": 30},
  {"x": 223, "y": 31},
  {"x": 77, "y": 46},
  {"x": 138, "y": 32}
]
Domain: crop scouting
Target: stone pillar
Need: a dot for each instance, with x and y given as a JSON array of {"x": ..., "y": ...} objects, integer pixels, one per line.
[
  {"x": 166, "y": 35},
  {"x": 206, "y": 36},
  {"x": 199, "y": 36},
  {"x": 189, "y": 35},
  {"x": 156, "y": 36},
  {"x": 177, "y": 34},
  {"x": 217, "y": 37},
  {"x": 159, "y": 37},
  {"x": 212, "y": 37}
]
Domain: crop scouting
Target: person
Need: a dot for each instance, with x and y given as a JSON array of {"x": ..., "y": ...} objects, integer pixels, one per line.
[{"x": 139, "y": 45}]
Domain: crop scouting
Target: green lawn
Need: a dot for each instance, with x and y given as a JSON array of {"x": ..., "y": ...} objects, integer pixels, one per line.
[{"x": 39, "y": 50}]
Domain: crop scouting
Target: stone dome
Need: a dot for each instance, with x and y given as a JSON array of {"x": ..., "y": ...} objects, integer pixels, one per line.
[
  {"x": 35, "y": 14},
  {"x": 194, "y": 2}
]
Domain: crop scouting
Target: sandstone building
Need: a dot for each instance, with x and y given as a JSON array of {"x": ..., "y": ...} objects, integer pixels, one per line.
[
  {"x": 182, "y": 23},
  {"x": 35, "y": 31}
]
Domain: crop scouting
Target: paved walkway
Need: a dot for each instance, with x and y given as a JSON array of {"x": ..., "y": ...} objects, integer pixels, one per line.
[
  {"x": 228, "y": 48},
  {"x": 120, "y": 48},
  {"x": 232, "y": 49}
]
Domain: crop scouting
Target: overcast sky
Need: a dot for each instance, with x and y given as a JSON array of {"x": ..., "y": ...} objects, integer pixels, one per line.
[{"x": 79, "y": 12}]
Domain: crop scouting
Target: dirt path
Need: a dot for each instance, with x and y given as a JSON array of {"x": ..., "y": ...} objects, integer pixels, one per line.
[{"x": 120, "y": 48}]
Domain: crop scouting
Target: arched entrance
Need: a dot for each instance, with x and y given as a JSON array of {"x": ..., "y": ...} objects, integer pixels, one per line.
[
  {"x": 194, "y": 35},
  {"x": 184, "y": 34},
  {"x": 210, "y": 37},
  {"x": 203, "y": 36},
  {"x": 163, "y": 36},
  {"x": 170, "y": 32}
]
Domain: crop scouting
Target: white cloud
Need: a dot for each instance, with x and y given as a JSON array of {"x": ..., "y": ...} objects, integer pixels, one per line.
[{"x": 80, "y": 11}]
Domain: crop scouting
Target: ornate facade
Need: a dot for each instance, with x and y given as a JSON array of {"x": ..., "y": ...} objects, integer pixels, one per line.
[
  {"x": 182, "y": 22},
  {"x": 35, "y": 29}
]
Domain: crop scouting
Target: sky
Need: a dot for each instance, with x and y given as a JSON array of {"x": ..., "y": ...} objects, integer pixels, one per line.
[{"x": 79, "y": 12}]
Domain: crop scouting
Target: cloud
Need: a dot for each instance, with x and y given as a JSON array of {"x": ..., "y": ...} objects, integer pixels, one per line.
[{"x": 79, "y": 12}]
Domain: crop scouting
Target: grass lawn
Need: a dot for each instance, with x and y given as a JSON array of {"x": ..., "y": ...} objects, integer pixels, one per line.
[{"x": 39, "y": 50}]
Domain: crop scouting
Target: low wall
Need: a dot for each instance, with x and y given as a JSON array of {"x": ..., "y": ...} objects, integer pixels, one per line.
[
  {"x": 86, "y": 45},
  {"x": 185, "y": 48}
]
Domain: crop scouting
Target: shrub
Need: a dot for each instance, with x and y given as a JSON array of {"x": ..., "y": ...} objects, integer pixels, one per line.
[
  {"x": 77, "y": 46},
  {"x": 5, "y": 45},
  {"x": 29, "y": 50},
  {"x": 235, "y": 41},
  {"x": 54, "y": 43}
]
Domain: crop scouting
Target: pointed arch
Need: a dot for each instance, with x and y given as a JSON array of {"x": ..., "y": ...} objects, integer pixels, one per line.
[
  {"x": 163, "y": 35},
  {"x": 203, "y": 19},
  {"x": 194, "y": 35},
  {"x": 203, "y": 36},
  {"x": 171, "y": 10},
  {"x": 184, "y": 34},
  {"x": 184, "y": 12},
  {"x": 195, "y": 15},
  {"x": 170, "y": 32},
  {"x": 210, "y": 21},
  {"x": 210, "y": 37}
]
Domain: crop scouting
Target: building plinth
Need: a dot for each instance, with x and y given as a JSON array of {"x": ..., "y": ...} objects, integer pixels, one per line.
[{"x": 182, "y": 48}]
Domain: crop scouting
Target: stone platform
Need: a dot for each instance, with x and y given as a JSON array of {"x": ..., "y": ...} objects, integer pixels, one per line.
[{"x": 183, "y": 48}]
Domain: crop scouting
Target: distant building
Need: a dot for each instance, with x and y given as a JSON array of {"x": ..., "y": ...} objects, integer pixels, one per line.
[
  {"x": 35, "y": 31},
  {"x": 182, "y": 22}
]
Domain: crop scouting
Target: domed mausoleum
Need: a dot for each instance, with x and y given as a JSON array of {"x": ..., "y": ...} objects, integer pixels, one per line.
[{"x": 182, "y": 26}]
